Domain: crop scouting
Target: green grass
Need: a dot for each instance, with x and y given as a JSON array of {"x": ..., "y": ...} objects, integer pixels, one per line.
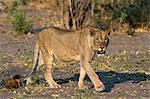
[
  {"x": 3, "y": 57},
  {"x": 120, "y": 63}
]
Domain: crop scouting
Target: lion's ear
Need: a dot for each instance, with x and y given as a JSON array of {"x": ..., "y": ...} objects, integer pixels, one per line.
[
  {"x": 108, "y": 35},
  {"x": 108, "y": 32},
  {"x": 92, "y": 32}
]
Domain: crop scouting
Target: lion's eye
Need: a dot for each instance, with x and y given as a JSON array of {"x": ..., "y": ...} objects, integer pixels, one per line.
[
  {"x": 97, "y": 39},
  {"x": 105, "y": 39}
]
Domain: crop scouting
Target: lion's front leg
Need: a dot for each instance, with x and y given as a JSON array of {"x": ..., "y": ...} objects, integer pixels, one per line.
[
  {"x": 92, "y": 75},
  {"x": 81, "y": 78}
]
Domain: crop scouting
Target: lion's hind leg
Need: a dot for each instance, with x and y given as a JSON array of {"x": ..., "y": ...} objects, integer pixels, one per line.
[
  {"x": 48, "y": 60},
  {"x": 48, "y": 75}
]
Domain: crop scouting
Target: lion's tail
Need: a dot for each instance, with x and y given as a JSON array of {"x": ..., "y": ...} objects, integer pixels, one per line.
[
  {"x": 36, "y": 58},
  {"x": 37, "y": 53}
]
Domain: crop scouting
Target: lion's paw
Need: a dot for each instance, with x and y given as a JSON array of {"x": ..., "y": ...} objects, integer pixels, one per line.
[
  {"x": 83, "y": 87},
  {"x": 28, "y": 80},
  {"x": 100, "y": 88},
  {"x": 54, "y": 85}
]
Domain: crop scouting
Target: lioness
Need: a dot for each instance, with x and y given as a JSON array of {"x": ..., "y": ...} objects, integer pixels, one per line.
[{"x": 79, "y": 45}]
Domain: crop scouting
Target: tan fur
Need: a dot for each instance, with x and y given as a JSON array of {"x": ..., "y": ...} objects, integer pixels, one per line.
[{"x": 79, "y": 45}]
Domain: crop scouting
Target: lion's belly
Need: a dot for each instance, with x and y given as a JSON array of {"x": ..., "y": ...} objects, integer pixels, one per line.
[
  {"x": 65, "y": 49},
  {"x": 66, "y": 55}
]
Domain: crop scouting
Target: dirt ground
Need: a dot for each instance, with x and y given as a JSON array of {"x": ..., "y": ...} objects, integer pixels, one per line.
[{"x": 125, "y": 69}]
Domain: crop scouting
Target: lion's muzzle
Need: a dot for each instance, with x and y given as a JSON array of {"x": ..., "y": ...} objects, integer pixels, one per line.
[{"x": 101, "y": 52}]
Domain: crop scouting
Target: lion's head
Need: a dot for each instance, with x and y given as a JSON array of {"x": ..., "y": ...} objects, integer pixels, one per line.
[{"x": 100, "y": 40}]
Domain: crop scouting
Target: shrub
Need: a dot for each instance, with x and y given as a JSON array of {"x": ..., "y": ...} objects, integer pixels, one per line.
[
  {"x": 20, "y": 2},
  {"x": 19, "y": 22},
  {"x": 122, "y": 13},
  {"x": 10, "y": 4}
]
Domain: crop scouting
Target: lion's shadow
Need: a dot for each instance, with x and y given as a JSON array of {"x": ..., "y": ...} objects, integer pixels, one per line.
[{"x": 111, "y": 78}]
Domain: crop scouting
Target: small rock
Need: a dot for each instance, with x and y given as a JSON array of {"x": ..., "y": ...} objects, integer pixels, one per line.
[{"x": 55, "y": 95}]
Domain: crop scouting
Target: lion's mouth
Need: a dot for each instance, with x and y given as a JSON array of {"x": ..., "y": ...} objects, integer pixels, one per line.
[{"x": 101, "y": 52}]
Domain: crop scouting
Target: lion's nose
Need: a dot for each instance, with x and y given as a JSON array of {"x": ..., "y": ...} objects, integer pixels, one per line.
[{"x": 102, "y": 47}]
